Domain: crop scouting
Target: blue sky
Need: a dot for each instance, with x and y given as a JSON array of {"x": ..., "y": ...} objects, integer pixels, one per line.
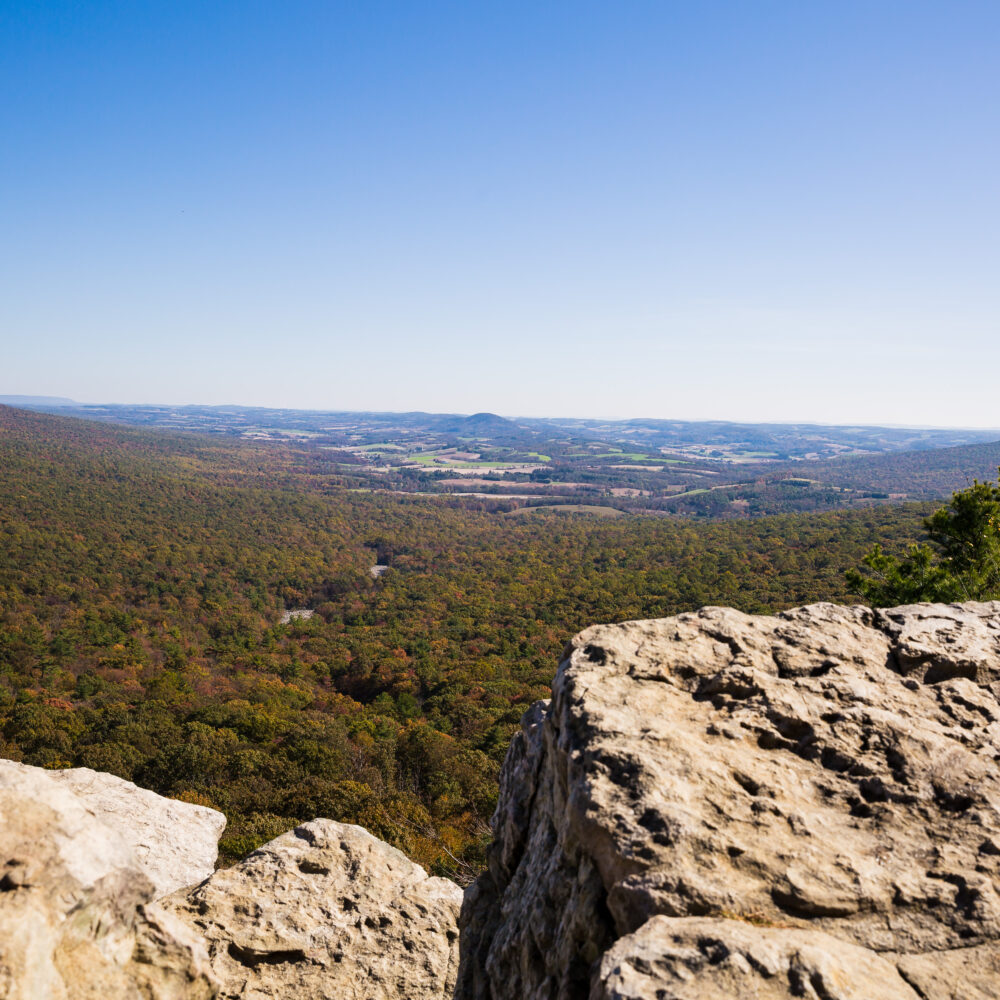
[{"x": 748, "y": 210}]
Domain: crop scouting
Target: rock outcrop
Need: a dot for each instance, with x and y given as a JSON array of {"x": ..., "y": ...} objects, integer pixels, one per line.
[
  {"x": 76, "y": 918},
  {"x": 175, "y": 843},
  {"x": 326, "y": 910},
  {"x": 719, "y": 805},
  {"x": 692, "y": 958}
]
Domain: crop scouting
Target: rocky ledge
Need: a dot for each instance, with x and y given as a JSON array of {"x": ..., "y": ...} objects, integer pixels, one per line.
[
  {"x": 326, "y": 910},
  {"x": 108, "y": 892},
  {"x": 718, "y": 805},
  {"x": 711, "y": 806}
]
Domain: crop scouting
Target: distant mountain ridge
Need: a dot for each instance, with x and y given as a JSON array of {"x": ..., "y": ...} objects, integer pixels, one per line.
[
  {"x": 648, "y": 468},
  {"x": 42, "y": 401}
]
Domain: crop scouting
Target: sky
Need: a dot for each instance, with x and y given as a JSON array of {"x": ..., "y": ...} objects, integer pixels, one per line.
[{"x": 743, "y": 210}]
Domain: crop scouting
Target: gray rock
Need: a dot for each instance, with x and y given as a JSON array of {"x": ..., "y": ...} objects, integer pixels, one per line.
[
  {"x": 828, "y": 771},
  {"x": 326, "y": 911}
]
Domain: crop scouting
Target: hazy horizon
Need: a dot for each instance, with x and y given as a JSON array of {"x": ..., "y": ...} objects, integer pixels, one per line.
[
  {"x": 5, "y": 397},
  {"x": 753, "y": 213}
]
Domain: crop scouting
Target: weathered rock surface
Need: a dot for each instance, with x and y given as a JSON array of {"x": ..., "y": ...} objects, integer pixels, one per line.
[
  {"x": 671, "y": 958},
  {"x": 326, "y": 911},
  {"x": 72, "y": 919},
  {"x": 175, "y": 843},
  {"x": 720, "y": 805}
]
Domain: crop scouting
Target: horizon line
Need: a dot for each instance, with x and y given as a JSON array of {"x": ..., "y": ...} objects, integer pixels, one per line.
[{"x": 65, "y": 402}]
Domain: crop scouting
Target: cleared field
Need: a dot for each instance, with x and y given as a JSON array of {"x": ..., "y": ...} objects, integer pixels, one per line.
[
  {"x": 385, "y": 446},
  {"x": 452, "y": 459},
  {"x": 572, "y": 508},
  {"x": 430, "y": 461}
]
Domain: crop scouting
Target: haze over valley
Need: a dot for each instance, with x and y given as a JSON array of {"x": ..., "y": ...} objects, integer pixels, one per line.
[{"x": 605, "y": 468}]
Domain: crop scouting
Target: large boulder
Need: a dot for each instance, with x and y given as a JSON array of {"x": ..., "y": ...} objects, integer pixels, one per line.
[
  {"x": 326, "y": 911},
  {"x": 74, "y": 919},
  {"x": 716, "y": 805},
  {"x": 176, "y": 843}
]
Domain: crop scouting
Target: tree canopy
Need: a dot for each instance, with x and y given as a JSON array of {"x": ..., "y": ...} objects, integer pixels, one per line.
[
  {"x": 145, "y": 579},
  {"x": 959, "y": 562}
]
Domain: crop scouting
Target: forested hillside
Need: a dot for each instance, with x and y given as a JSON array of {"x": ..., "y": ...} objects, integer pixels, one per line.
[
  {"x": 931, "y": 473},
  {"x": 143, "y": 577}
]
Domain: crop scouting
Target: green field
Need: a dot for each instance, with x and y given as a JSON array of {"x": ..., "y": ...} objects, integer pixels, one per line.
[
  {"x": 386, "y": 446},
  {"x": 572, "y": 508}
]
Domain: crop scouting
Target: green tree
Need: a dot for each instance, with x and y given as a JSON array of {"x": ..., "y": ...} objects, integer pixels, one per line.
[{"x": 962, "y": 565}]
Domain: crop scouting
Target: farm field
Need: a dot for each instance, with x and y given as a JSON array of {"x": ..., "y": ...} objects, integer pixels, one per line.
[{"x": 638, "y": 468}]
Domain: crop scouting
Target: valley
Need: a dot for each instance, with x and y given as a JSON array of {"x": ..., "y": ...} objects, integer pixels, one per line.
[
  {"x": 646, "y": 468},
  {"x": 239, "y": 623}
]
